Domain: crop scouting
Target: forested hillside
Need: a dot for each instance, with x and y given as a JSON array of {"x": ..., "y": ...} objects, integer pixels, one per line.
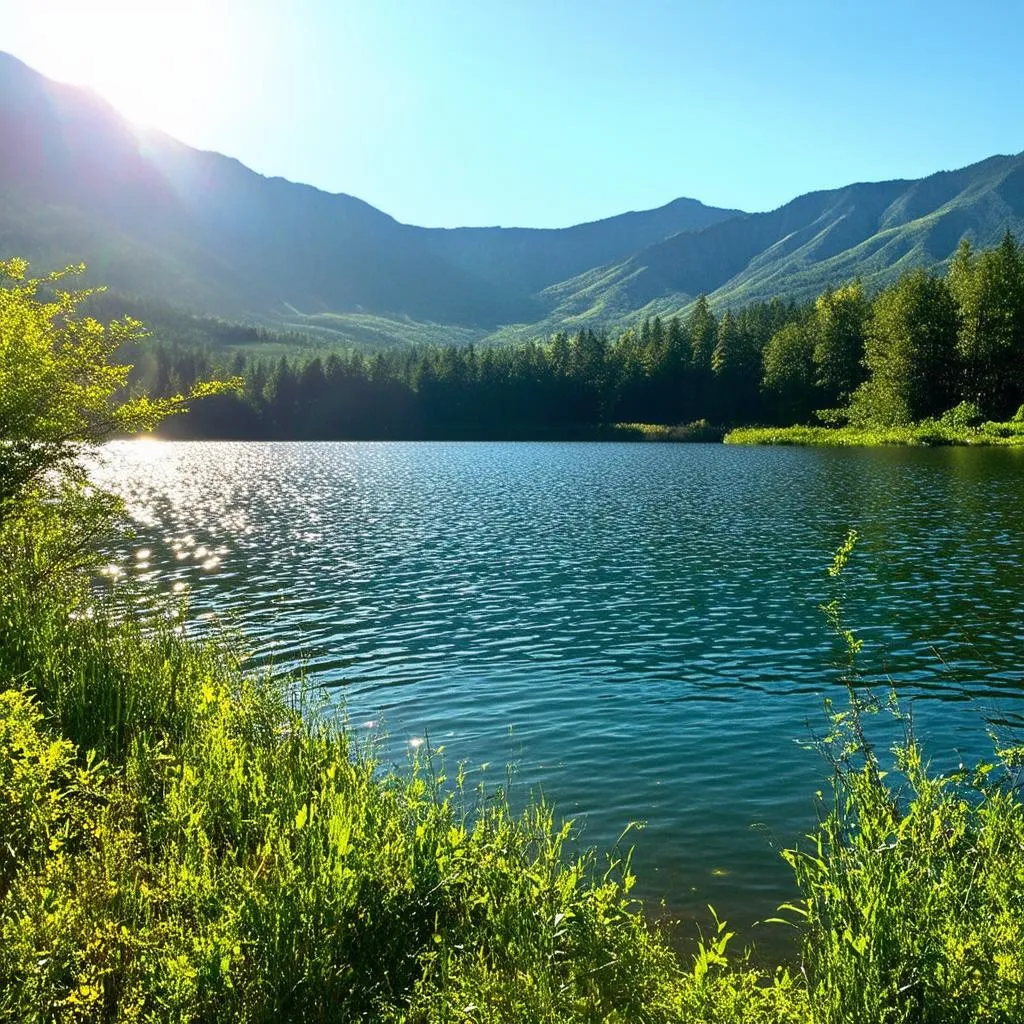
[
  {"x": 872, "y": 231},
  {"x": 928, "y": 346}
]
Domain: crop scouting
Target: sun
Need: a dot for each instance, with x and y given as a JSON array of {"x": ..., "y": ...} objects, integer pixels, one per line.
[{"x": 161, "y": 64}]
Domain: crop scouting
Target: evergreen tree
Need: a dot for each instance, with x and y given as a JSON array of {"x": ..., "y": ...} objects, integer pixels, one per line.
[
  {"x": 560, "y": 354},
  {"x": 726, "y": 358},
  {"x": 703, "y": 332}
]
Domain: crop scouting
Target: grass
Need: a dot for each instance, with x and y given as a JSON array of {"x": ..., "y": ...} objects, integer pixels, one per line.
[
  {"x": 185, "y": 841},
  {"x": 915, "y": 898},
  {"x": 700, "y": 430},
  {"x": 928, "y": 432},
  {"x": 182, "y": 840}
]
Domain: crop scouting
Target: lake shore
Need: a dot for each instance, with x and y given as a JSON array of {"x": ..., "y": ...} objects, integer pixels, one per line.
[
  {"x": 188, "y": 838},
  {"x": 929, "y": 433}
]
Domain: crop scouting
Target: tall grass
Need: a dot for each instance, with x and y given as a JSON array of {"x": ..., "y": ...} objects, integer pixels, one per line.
[
  {"x": 913, "y": 885},
  {"x": 181, "y": 842},
  {"x": 914, "y": 898},
  {"x": 698, "y": 431}
]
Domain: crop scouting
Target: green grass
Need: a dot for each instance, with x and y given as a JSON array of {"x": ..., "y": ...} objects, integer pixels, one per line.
[
  {"x": 914, "y": 903},
  {"x": 930, "y": 432},
  {"x": 700, "y": 430},
  {"x": 183, "y": 840}
]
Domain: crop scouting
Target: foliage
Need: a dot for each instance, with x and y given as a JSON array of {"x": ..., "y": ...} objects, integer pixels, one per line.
[
  {"x": 183, "y": 840},
  {"x": 927, "y": 432},
  {"x": 59, "y": 388},
  {"x": 913, "y": 897},
  {"x": 838, "y": 325},
  {"x": 989, "y": 290},
  {"x": 571, "y": 386},
  {"x": 789, "y": 370},
  {"x": 909, "y": 353},
  {"x": 189, "y": 842},
  {"x": 963, "y": 416},
  {"x": 701, "y": 430},
  {"x": 62, "y": 392},
  {"x": 913, "y": 889}
]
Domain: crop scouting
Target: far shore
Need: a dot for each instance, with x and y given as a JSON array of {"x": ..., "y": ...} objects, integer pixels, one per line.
[{"x": 928, "y": 433}]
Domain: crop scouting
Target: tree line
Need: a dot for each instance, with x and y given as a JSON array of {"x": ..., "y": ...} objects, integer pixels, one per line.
[{"x": 929, "y": 343}]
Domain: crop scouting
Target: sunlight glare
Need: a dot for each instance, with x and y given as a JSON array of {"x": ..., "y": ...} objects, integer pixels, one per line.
[{"x": 160, "y": 64}]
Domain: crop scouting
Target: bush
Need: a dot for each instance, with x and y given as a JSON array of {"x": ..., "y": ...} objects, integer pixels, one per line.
[
  {"x": 914, "y": 885},
  {"x": 964, "y": 416},
  {"x": 914, "y": 897}
]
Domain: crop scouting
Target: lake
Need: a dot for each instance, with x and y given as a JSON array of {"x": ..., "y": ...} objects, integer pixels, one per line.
[{"x": 633, "y": 630}]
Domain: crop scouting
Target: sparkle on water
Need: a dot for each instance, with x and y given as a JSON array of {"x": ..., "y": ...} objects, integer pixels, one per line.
[{"x": 635, "y": 628}]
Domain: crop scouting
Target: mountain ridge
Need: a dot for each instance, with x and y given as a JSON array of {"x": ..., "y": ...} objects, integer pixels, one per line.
[
  {"x": 870, "y": 230},
  {"x": 260, "y": 246},
  {"x": 156, "y": 218}
]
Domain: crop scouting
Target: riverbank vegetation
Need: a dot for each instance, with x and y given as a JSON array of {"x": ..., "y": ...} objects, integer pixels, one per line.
[
  {"x": 929, "y": 432},
  {"x": 934, "y": 359},
  {"x": 183, "y": 839}
]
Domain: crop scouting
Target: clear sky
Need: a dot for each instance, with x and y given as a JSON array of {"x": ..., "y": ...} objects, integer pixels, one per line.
[{"x": 448, "y": 112}]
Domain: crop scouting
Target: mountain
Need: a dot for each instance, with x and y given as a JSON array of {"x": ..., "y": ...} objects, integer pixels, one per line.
[
  {"x": 872, "y": 230},
  {"x": 156, "y": 219},
  {"x": 152, "y": 216}
]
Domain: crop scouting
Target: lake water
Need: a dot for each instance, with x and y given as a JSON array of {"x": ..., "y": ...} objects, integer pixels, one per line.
[{"x": 634, "y": 628}]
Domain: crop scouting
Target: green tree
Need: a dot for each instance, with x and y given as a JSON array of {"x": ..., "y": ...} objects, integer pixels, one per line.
[
  {"x": 989, "y": 293},
  {"x": 675, "y": 344},
  {"x": 910, "y": 352},
  {"x": 726, "y": 356},
  {"x": 659, "y": 341},
  {"x": 61, "y": 392},
  {"x": 840, "y": 321},
  {"x": 789, "y": 372},
  {"x": 703, "y": 332},
  {"x": 560, "y": 354}
]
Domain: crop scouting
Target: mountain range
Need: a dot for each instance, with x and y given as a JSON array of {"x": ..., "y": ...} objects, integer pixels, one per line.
[{"x": 159, "y": 220}]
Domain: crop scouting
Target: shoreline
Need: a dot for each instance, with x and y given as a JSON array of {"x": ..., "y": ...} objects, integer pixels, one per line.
[{"x": 919, "y": 435}]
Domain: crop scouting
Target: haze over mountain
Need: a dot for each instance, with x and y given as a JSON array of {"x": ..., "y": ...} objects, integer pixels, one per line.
[{"x": 158, "y": 219}]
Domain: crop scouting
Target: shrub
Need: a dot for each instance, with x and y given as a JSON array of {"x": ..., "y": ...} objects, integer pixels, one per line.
[{"x": 964, "y": 416}]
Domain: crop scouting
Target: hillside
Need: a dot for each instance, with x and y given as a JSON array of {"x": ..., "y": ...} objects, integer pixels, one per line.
[
  {"x": 158, "y": 220},
  {"x": 154, "y": 217},
  {"x": 873, "y": 231}
]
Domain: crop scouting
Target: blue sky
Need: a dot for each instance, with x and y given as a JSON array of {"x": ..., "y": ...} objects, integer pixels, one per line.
[{"x": 448, "y": 112}]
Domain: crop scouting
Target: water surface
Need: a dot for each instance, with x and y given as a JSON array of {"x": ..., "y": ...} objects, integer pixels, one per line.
[{"x": 634, "y": 627}]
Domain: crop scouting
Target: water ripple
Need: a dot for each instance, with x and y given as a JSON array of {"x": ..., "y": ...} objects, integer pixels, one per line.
[{"x": 636, "y": 627}]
